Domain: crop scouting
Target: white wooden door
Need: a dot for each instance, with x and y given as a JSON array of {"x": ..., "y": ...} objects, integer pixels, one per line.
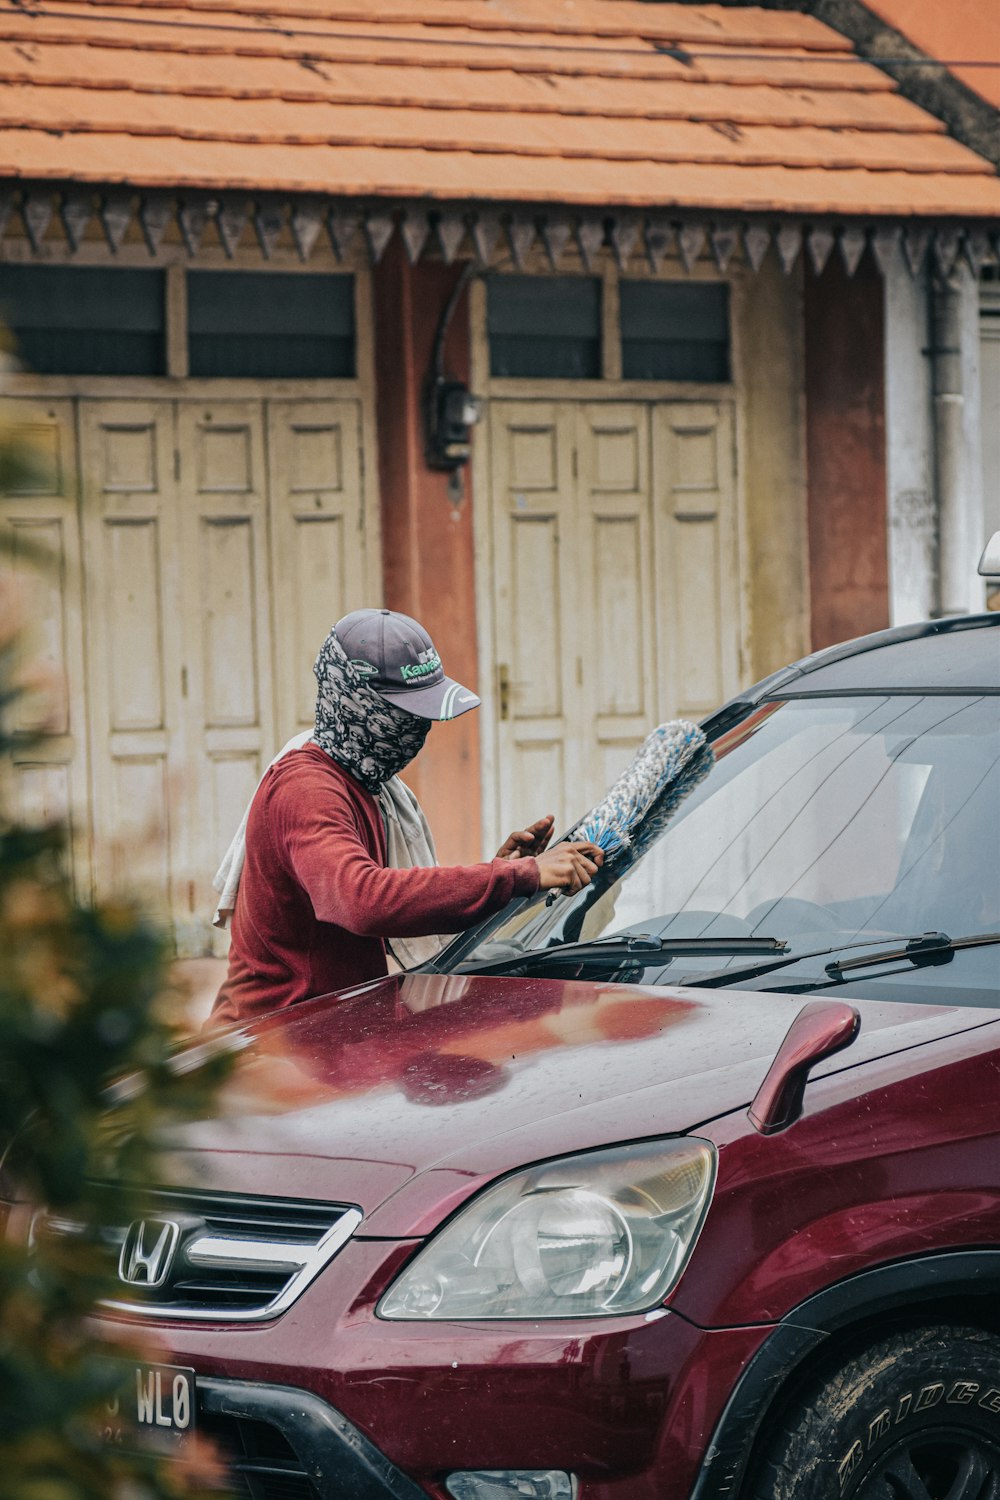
[
  {"x": 539, "y": 603},
  {"x": 134, "y": 615},
  {"x": 39, "y": 514},
  {"x": 319, "y": 564},
  {"x": 698, "y": 589},
  {"x": 225, "y": 638},
  {"x": 617, "y": 593},
  {"x": 220, "y": 541},
  {"x": 615, "y": 560}
]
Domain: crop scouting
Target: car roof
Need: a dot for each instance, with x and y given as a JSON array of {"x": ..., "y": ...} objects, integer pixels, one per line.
[{"x": 955, "y": 655}]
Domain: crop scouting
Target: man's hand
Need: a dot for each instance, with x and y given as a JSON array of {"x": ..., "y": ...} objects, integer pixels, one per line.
[
  {"x": 527, "y": 841},
  {"x": 569, "y": 867}
]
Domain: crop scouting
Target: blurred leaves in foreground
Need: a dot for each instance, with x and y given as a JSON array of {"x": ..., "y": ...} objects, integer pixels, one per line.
[{"x": 84, "y": 1002}]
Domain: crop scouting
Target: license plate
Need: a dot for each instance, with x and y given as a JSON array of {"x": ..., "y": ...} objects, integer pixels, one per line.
[{"x": 156, "y": 1403}]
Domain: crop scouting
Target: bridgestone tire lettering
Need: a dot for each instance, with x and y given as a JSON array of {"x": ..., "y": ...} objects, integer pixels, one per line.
[{"x": 941, "y": 1380}]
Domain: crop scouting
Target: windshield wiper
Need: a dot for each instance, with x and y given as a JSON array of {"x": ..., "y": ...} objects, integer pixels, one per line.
[
  {"x": 940, "y": 952},
  {"x": 928, "y": 948},
  {"x": 636, "y": 947}
]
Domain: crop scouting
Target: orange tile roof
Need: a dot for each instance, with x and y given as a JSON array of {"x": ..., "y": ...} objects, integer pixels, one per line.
[
  {"x": 582, "y": 102},
  {"x": 963, "y": 34}
]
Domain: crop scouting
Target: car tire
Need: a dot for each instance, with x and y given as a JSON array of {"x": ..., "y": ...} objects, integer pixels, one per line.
[{"x": 915, "y": 1417}]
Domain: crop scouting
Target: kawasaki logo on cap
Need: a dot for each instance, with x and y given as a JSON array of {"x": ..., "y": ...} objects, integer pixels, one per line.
[{"x": 431, "y": 663}]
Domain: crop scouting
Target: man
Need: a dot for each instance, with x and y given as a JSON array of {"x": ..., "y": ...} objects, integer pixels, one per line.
[{"x": 318, "y": 894}]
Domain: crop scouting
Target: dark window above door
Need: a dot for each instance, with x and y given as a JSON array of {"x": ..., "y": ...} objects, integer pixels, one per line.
[
  {"x": 553, "y": 327},
  {"x": 674, "y": 330},
  {"x": 544, "y": 327},
  {"x": 271, "y": 325},
  {"x": 85, "y": 320}
]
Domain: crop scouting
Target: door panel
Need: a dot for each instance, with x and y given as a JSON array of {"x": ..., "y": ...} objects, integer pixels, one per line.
[
  {"x": 133, "y": 608},
  {"x": 616, "y": 593},
  {"x": 219, "y": 541},
  {"x": 619, "y": 670},
  {"x": 318, "y": 540},
  {"x": 538, "y": 604},
  {"x": 50, "y": 777},
  {"x": 226, "y": 633},
  {"x": 696, "y": 555}
]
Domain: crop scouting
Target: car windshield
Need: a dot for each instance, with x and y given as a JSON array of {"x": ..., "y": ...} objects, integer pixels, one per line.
[{"x": 824, "y": 821}]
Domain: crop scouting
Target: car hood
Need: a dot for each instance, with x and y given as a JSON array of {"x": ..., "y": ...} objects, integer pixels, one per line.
[{"x": 406, "y": 1095}]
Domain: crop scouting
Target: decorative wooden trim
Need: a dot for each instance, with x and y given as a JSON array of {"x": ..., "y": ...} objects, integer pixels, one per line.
[
  {"x": 788, "y": 243},
  {"x": 173, "y": 227},
  {"x": 885, "y": 247},
  {"x": 852, "y": 247},
  {"x": 76, "y": 212},
  {"x": 414, "y": 229},
  {"x": 659, "y": 240},
  {"x": 36, "y": 212},
  {"x": 756, "y": 239},
  {"x": 155, "y": 216},
  {"x": 230, "y": 221},
  {"x": 820, "y": 242},
  {"x": 521, "y": 234},
  {"x": 691, "y": 240},
  {"x": 451, "y": 231},
  {"x": 268, "y": 223},
  {"x": 379, "y": 229},
  {"x": 725, "y": 242}
]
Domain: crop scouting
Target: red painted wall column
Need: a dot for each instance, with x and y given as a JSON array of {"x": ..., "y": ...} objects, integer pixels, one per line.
[
  {"x": 427, "y": 544},
  {"x": 845, "y": 450}
]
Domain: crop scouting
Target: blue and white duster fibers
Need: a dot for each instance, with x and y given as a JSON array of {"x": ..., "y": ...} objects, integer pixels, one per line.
[{"x": 676, "y": 755}]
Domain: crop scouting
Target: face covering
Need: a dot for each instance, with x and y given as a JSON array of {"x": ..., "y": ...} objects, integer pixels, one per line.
[{"x": 370, "y": 737}]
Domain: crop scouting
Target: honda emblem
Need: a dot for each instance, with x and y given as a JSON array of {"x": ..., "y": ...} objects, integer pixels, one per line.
[{"x": 148, "y": 1252}]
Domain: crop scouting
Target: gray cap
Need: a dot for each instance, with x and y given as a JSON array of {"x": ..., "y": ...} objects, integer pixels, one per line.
[{"x": 397, "y": 658}]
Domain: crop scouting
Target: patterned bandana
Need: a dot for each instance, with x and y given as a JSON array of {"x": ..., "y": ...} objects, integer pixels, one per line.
[{"x": 370, "y": 737}]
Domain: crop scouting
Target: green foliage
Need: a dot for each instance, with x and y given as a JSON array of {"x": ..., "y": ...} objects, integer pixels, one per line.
[{"x": 89, "y": 1086}]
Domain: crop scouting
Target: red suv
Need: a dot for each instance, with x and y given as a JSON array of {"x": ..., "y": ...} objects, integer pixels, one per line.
[{"x": 685, "y": 1187}]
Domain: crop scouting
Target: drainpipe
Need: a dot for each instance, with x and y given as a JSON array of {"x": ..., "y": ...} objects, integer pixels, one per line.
[{"x": 949, "y": 466}]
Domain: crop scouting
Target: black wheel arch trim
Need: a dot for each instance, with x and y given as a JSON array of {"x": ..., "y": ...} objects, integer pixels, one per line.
[
  {"x": 885, "y": 1289},
  {"x": 341, "y": 1463}
]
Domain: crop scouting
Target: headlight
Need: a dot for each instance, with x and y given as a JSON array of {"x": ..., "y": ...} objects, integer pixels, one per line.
[{"x": 584, "y": 1237}]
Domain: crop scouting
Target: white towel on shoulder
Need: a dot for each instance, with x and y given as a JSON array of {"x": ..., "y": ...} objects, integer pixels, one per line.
[{"x": 409, "y": 845}]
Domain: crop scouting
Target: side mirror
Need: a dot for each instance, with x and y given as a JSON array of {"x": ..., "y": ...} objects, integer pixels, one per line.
[{"x": 989, "y": 563}]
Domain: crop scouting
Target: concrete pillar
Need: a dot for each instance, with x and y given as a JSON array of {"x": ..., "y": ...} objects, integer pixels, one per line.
[
  {"x": 910, "y": 482},
  {"x": 957, "y": 441},
  {"x": 426, "y": 537}
]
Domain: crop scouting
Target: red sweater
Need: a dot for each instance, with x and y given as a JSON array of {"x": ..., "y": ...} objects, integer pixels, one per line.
[{"x": 315, "y": 900}]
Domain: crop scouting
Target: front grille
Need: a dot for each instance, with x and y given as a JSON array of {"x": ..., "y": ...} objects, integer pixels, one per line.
[
  {"x": 217, "y": 1256},
  {"x": 260, "y": 1463}
]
